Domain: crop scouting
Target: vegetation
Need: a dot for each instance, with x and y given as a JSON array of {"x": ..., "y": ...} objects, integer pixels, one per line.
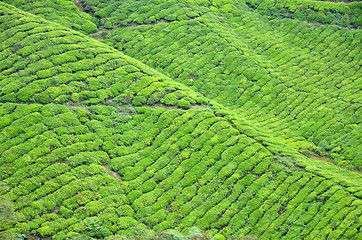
[
  {"x": 295, "y": 79},
  {"x": 211, "y": 137}
]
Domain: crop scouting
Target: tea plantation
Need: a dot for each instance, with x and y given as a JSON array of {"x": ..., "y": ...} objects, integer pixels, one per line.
[
  {"x": 218, "y": 119},
  {"x": 296, "y": 79}
]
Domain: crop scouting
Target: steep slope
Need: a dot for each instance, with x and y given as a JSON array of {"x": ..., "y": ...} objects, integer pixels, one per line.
[
  {"x": 89, "y": 135},
  {"x": 299, "y": 80}
]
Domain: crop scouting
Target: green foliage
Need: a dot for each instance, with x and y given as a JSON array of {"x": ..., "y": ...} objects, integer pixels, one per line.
[
  {"x": 66, "y": 14},
  {"x": 87, "y": 152},
  {"x": 7, "y": 213},
  {"x": 139, "y": 100},
  {"x": 94, "y": 228},
  {"x": 170, "y": 99},
  {"x": 184, "y": 103},
  {"x": 254, "y": 90}
]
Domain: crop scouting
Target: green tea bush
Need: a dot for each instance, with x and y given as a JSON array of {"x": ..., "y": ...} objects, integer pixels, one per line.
[
  {"x": 94, "y": 228},
  {"x": 170, "y": 99},
  {"x": 139, "y": 100},
  {"x": 184, "y": 103}
]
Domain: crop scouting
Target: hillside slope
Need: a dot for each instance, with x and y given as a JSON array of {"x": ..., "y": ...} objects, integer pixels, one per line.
[
  {"x": 90, "y": 135},
  {"x": 298, "y": 79}
]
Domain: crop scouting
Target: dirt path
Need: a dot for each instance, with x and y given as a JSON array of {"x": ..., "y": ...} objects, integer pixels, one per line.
[
  {"x": 115, "y": 175},
  {"x": 79, "y": 5},
  {"x": 315, "y": 156}
]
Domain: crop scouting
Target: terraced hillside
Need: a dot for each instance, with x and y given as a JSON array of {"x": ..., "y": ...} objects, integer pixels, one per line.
[
  {"x": 297, "y": 79},
  {"x": 92, "y": 139}
]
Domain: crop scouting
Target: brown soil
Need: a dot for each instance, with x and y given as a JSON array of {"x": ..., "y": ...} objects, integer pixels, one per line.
[
  {"x": 115, "y": 175},
  {"x": 315, "y": 156},
  {"x": 79, "y": 5}
]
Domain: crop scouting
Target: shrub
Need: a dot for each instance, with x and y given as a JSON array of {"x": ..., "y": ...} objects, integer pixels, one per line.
[
  {"x": 46, "y": 230},
  {"x": 89, "y": 27},
  {"x": 184, "y": 104},
  {"x": 139, "y": 101},
  {"x": 148, "y": 186},
  {"x": 219, "y": 237},
  {"x": 165, "y": 236},
  {"x": 94, "y": 228},
  {"x": 46, "y": 73},
  {"x": 67, "y": 213},
  {"x": 125, "y": 210},
  {"x": 126, "y": 222},
  {"x": 358, "y": 22},
  {"x": 89, "y": 158},
  {"x": 170, "y": 99}
]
